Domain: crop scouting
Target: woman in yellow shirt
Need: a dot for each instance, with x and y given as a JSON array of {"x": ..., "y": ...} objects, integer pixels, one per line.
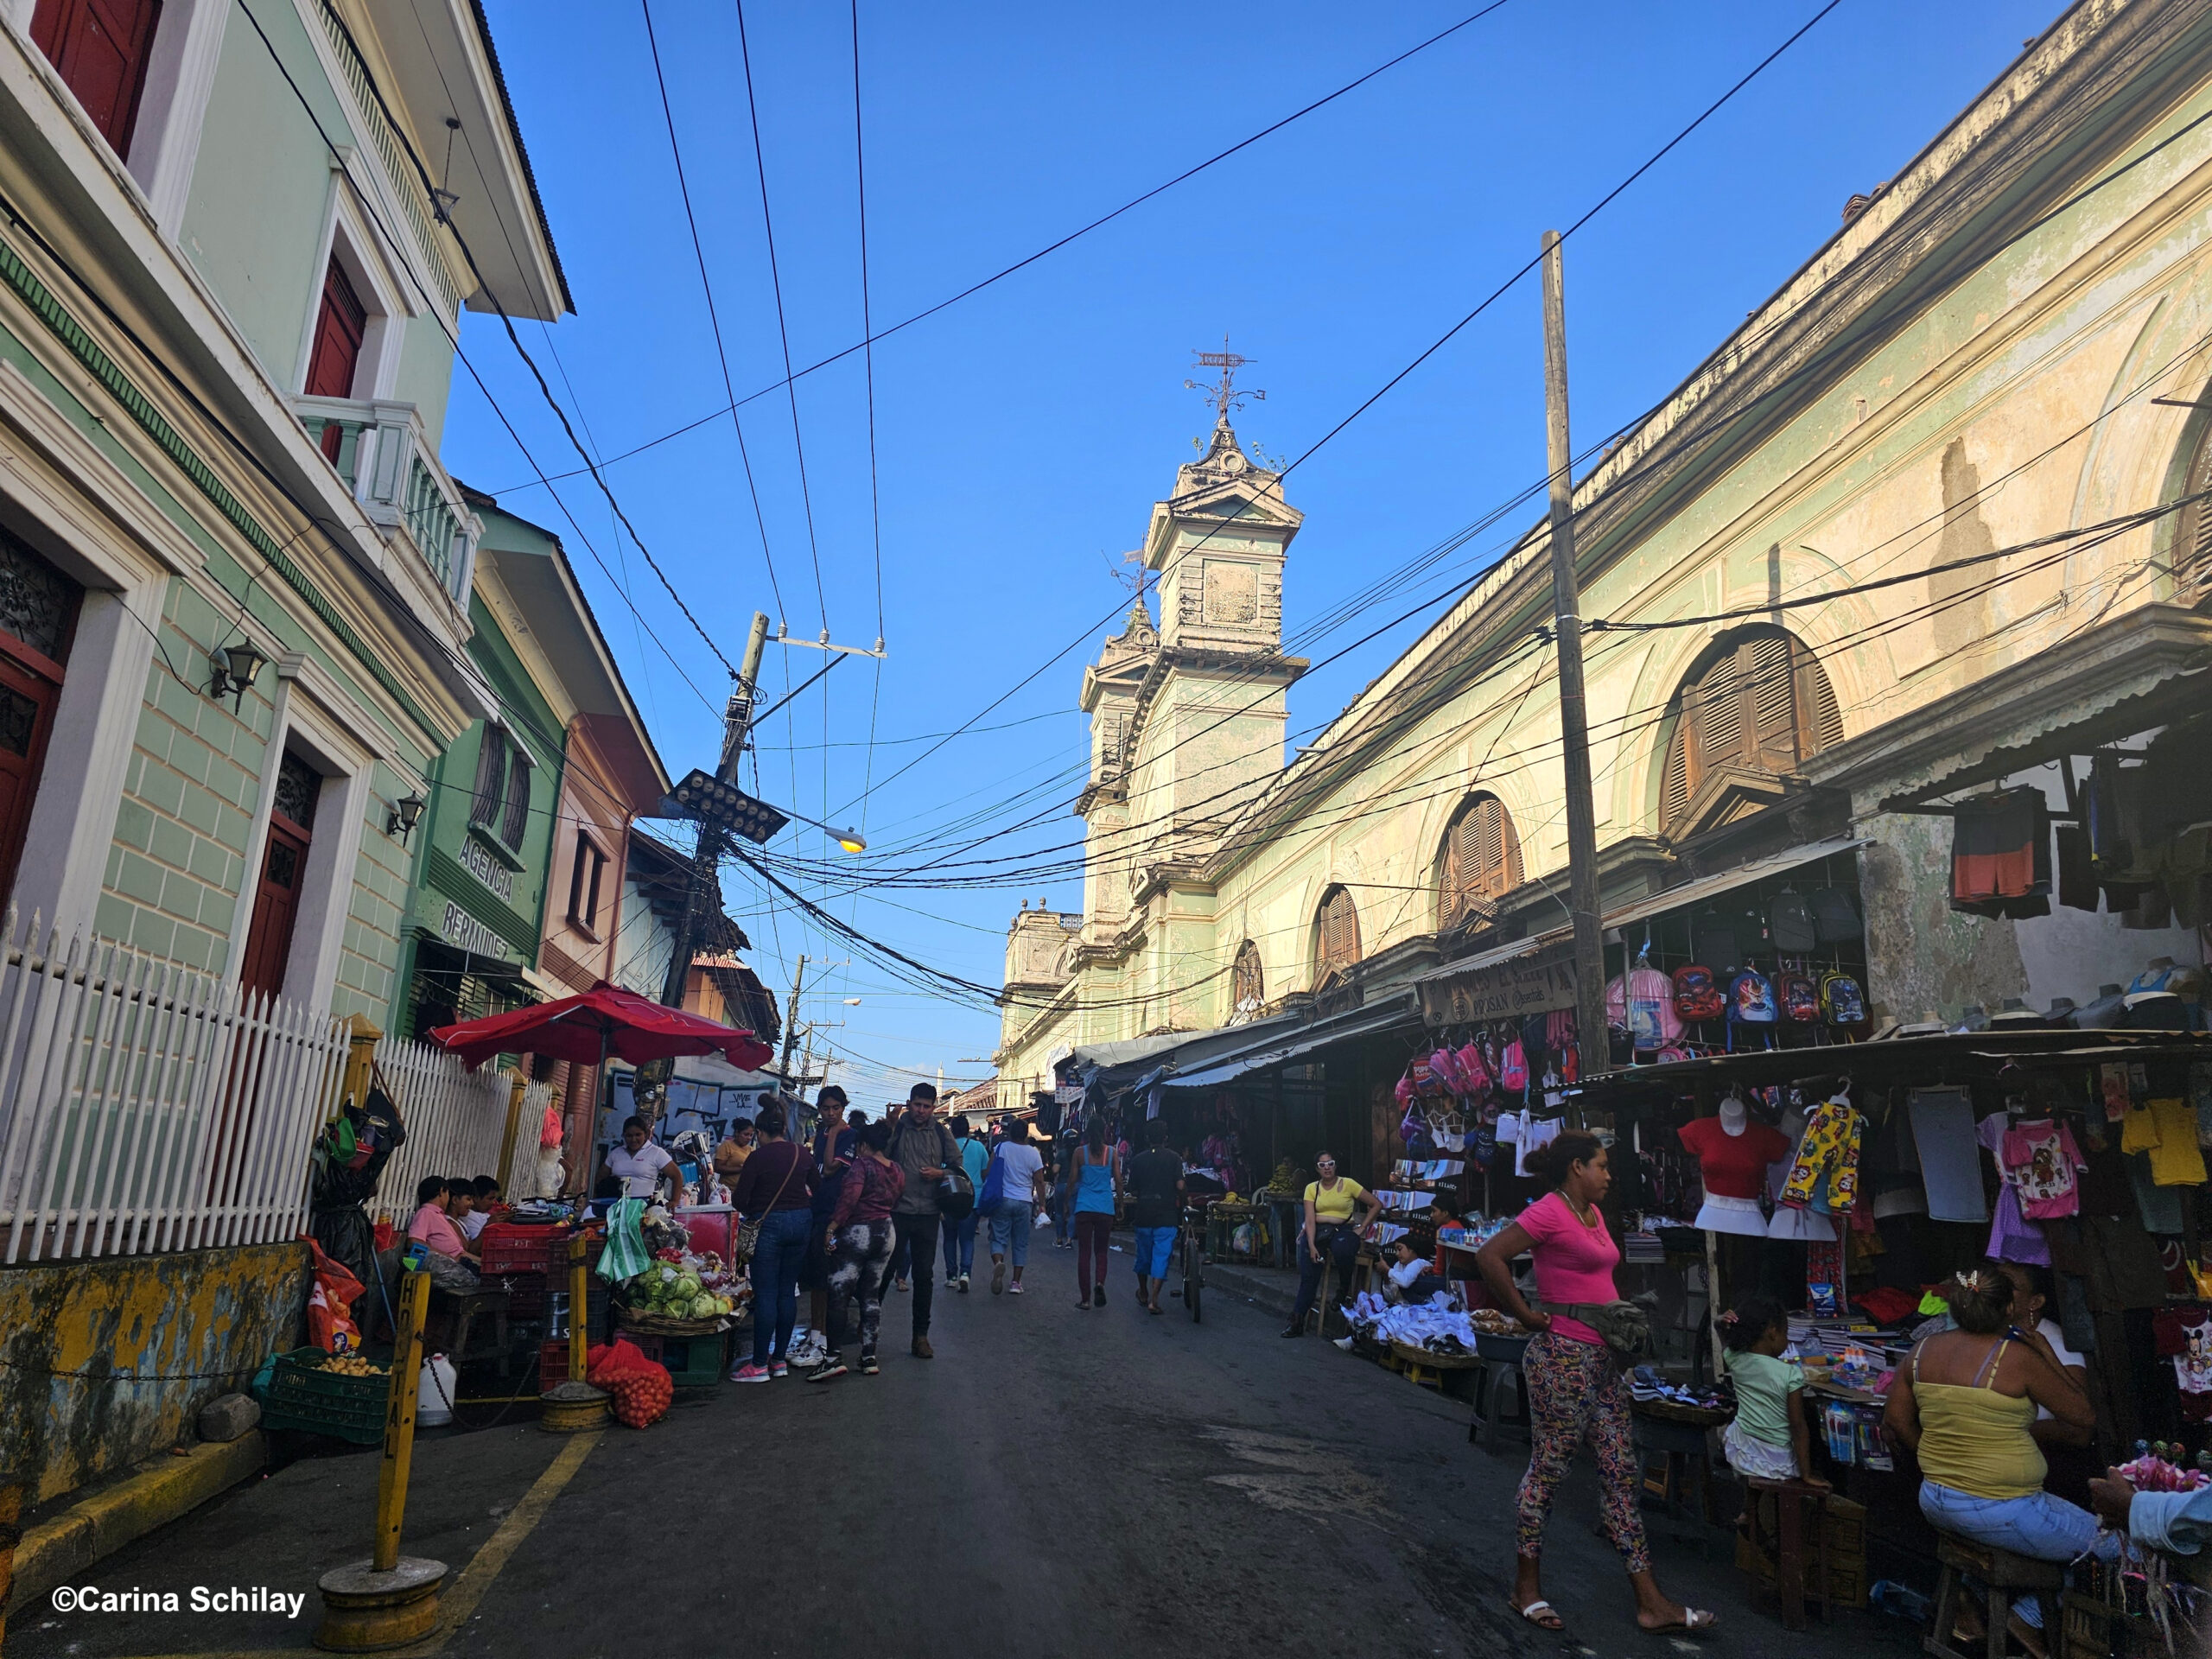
[
  {"x": 1329, "y": 1227},
  {"x": 1965, "y": 1404}
]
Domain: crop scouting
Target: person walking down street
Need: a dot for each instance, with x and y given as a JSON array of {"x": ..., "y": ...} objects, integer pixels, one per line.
[
  {"x": 858, "y": 1248},
  {"x": 1155, "y": 1183},
  {"x": 833, "y": 1152},
  {"x": 1063, "y": 1187},
  {"x": 1096, "y": 1190},
  {"x": 960, "y": 1236},
  {"x": 777, "y": 1189},
  {"x": 1328, "y": 1234},
  {"x": 1016, "y": 1217},
  {"x": 923, "y": 1149},
  {"x": 1576, "y": 1388}
]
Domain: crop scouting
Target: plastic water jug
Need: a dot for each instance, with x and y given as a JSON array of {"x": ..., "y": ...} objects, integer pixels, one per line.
[{"x": 434, "y": 1393}]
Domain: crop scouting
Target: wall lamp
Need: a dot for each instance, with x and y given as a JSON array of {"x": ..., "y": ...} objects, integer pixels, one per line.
[
  {"x": 406, "y": 812},
  {"x": 235, "y": 667}
]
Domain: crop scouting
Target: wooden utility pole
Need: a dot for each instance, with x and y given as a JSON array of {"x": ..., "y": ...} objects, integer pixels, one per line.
[
  {"x": 791, "y": 1021},
  {"x": 705, "y": 885},
  {"x": 1573, "y": 710}
]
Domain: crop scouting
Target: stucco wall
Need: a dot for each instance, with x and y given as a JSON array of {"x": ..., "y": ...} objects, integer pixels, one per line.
[{"x": 195, "y": 1312}]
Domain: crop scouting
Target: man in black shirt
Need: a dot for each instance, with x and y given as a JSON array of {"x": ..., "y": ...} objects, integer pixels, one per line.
[{"x": 1155, "y": 1189}]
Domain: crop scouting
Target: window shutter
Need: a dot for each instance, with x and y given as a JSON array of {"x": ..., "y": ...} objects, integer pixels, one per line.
[
  {"x": 490, "y": 777},
  {"x": 1674, "y": 777},
  {"x": 1714, "y": 715},
  {"x": 1773, "y": 703},
  {"x": 517, "y": 819}
]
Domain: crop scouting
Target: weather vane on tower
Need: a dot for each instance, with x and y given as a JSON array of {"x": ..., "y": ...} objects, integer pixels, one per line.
[{"x": 1225, "y": 396}]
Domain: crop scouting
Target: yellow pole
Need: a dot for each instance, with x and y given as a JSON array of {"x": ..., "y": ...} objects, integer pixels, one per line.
[
  {"x": 399, "y": 1420},
  {"x": 514, "y": 1092},
  {"x": 579, "y": 1291}
]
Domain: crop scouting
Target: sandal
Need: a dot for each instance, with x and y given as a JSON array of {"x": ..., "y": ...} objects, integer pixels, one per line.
[
  {"x": 1542, "y": 1614},
  {"x": 1695, "y": 1621}
]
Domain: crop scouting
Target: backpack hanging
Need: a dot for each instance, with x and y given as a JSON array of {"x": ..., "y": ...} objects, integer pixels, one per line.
[
  {"x": 1842, "y": 1001},
  {"x": 1799, "y": 996},
  {"x": 1790, "y": 924},
  {"x": 1834, "y": 917},
  {"x": 1750, "y": 999},
  {"x": 1642, "y": 1003},
  {"x": 1513, "y": 1068},
  {"x": 1697, "y": 995}
]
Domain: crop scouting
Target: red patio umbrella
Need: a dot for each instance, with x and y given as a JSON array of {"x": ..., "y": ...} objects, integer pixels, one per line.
[{"x": 605, "y": 1020}]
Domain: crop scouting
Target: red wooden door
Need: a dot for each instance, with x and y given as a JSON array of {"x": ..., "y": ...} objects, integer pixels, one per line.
[
  {"x": 337, "y": 351},
  {"x": 27, "y": 701},
  {"x": 276, "y": 905},
  {"x": 101, "y": 47}
]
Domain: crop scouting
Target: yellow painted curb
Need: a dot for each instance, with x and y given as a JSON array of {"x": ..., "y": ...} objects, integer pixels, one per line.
[{"x": 98, "y": 1525}]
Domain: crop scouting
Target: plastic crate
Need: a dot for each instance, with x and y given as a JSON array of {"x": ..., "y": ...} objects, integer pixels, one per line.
[
  {"x": 691, "y": 1362},
  {"x": 302, "y": 1395},
  {"x": 552, "y": 1365},
  {"x": 525, "y": 1295},
  {"x": 505, "y": 1248}
]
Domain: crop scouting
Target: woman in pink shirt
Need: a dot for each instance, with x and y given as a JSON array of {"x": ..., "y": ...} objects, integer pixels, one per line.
[{"x": 1576, "y": 1392}]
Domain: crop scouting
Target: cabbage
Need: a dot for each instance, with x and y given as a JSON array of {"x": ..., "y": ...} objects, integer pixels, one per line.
[
  {"x": 688, "y": 1286},
  {"x": 703, "y": 1308}
]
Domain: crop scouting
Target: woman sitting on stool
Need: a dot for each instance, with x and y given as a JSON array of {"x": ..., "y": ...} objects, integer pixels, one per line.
[
  {"x": 1328, "y": 1234},
  {"x": 1966, "y": 1402}
]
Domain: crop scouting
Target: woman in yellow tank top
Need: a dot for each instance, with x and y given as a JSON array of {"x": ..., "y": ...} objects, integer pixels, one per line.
[{"x": 1965, "y": 1404}]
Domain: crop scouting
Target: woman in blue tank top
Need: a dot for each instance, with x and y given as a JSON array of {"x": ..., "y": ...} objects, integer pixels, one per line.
[{"x": 1097, "y": 1196}]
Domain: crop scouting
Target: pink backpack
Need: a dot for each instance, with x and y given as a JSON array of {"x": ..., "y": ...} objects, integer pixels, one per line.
[
  {"x": 1476, "y": 1069},
  {"x": 1513, "y": 1067},
  {"x": 1445, "y": 1064}
]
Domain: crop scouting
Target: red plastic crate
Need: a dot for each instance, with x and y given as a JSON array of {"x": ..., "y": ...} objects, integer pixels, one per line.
[
  {"x": 508, "y": 1249},
  {"x": 552, "y": 1365}
]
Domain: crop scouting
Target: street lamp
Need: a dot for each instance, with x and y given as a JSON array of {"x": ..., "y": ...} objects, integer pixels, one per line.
[
  {"x": 235, "y": 667},
  {"x": 405, "y": 813},
  {"x": 851, "y": 840}
]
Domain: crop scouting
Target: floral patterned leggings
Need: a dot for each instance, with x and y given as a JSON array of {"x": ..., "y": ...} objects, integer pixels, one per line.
[{"x": 1576, "y": 1394}]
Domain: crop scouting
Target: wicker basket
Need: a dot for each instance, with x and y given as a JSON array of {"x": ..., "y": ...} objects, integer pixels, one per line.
[
  {"x": 1413, "y": 1355},
  {"x": 660, "y": 1325}
]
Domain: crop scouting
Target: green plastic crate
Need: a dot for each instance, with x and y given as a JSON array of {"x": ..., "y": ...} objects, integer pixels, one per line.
[{"x": 302, "y": 1394}]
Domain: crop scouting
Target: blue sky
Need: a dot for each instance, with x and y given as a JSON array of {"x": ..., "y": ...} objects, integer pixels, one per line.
[{"x": 1022, "y": 435}]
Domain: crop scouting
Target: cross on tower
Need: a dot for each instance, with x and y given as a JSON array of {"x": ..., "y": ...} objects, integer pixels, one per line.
[{"x": 1225, "y": 396}]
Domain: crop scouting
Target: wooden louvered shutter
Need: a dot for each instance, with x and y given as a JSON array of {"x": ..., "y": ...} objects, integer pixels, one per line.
[
  {"x": 1713, "y": 712},
  {"x": 1340, "y": 930},
  {"x": 1820, "y": 721},
  {"x": 1673, "y": 777},
  {"x": 2193, "y": 536},
  {"x": 1770, "y": 704}
]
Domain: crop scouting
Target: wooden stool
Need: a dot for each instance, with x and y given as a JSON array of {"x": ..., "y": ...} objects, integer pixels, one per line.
[
  {"x": 1789, "y": 1497},
  {"x": 1685, "y": 1459},
  {"x": 1497, "y": 1362},
  {"x": 2001, "y": 1574}
]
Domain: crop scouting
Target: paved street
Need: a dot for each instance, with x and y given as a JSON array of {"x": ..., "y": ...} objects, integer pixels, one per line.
[{"x": 1054, "y": 1483}]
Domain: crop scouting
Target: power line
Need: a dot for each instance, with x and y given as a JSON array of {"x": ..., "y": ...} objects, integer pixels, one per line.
[
  {"x": 1051, "y": 248},
  {"x": 713, "y": 321},
  {"x": 783, "y": 328}
]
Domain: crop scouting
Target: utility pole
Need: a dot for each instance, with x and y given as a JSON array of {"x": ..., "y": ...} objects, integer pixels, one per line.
[
  {"x": 705, "y": 887},
  {"x": 790, "y": 1019},
  {"x": 1574, "y": 710}
]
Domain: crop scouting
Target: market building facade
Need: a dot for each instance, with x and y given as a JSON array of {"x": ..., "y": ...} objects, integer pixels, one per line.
[{"x": 1926, "y": 524}]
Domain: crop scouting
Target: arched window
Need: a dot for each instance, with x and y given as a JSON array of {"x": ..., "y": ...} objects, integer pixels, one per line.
[
  {"x": 1480, "y": 862},
  {"x": 2192, "y": 549},
  {"x": 1336, "y": 937},
  {"x": 1754, "y": 709},
  {"x": 1247, "y": 988}
]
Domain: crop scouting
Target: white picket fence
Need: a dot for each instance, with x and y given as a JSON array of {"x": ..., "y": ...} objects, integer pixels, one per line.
[
  {"x": 147, "y": 1106},
  {"x": 455, "y": 1122}
]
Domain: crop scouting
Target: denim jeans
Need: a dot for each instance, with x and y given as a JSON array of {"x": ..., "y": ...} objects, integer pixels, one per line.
[
  {"x": 1010, "y": 1230},
  {"x": 776, "y": 1260},
  {"x": 917, "y": 1237},
  {"x": 960, "y": 1246},
  {"x": 1338, "y": 1243},
  {"x": 2039, "y": 1526}
]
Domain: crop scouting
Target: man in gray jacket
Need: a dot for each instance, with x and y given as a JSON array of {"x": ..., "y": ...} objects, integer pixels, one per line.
[{"x": 924, "y": 1148}]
